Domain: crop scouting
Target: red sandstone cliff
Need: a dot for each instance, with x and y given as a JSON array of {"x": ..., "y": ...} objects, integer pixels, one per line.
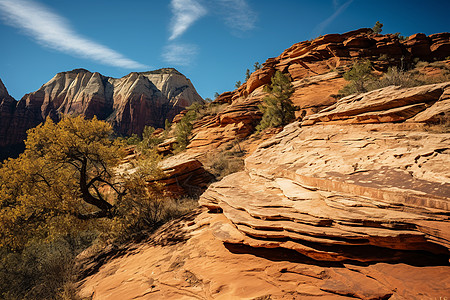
[
  {"x": 128, "y": 103},
  {"x": 316, "y": 69}
]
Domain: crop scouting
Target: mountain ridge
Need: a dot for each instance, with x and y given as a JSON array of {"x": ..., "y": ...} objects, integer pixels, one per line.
[{"x": 129, "y": 103}]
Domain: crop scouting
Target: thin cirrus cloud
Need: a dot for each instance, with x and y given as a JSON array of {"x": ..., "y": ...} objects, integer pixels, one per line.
[
  {"x": 185, "y": 13},
  {"x": 237, "y": 15},
  {"x": 338, "y": 10},
  {"x": 53, "y": 31},
  {"x": 180, "y": 54},
  {"x": 336, "y": 4}
]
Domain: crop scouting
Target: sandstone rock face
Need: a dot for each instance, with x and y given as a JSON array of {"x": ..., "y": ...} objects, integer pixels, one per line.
[
  {"x": 236, "y": 121},
  {"x": 184, "y": 175},
  {"x": 128, "y": 103},
  {"x": 390, "y": 104},
  {"x": 185, "y": 260},
  {"x": 7, "y": 106},
  {"x": 336, "y": 192},
  {"x": 316, "y": 68},
  {"x": 333, "y": 210}
]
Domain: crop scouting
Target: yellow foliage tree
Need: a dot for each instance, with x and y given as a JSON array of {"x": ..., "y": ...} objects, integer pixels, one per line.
[{"x": 64, "y": 180}]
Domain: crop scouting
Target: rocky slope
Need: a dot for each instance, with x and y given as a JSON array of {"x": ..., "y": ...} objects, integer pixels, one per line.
[
  {"x": 351, "y": 201},
  {"x": 128, "y": 103},
  {"x": 316, "y": 69},
  {"x": 327, "y": 209}
]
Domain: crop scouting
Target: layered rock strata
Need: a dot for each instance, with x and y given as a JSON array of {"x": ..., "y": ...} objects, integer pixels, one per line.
[
  {"x": 184, "y": 175},
  {"x": 316, "y": 69},
  {"x": 352, "y": 202},
  {"x": 184, "y": 260},
  {"x": 129, "y": 103},
  {"x": 343, "y": 190},
  {"x": 428, "y": 103}
]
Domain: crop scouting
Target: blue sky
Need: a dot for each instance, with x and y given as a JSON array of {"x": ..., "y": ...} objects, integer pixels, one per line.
[{"x": 212, "y": 42}]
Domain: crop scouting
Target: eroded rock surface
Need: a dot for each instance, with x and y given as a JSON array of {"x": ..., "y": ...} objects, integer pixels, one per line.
[
  {"x": 326, "y": 211},
  {"x": 184, "y": 175},
  {"x": 186, "y": 260},
  {"x": 352, "y": 202},
  {"x": 337, "y": 192},
  {"x": 387, "y": 105}
]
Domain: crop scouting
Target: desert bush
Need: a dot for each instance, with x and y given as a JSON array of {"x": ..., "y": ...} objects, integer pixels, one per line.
[
  {"x": 42, "y": 270},
  {"x": 277, "y": 108},
  {"x": 400, "y": 37},
  {"x": 226, "y": 162},
  {"x": 134, "y": 139},
  {"x": 247, "y": 74},
  {"x": 397, "y": 77},
  {"x": 56, "y": 186},
  {"x": 361, "y": 79},
  {"x": 69, "y": 181},
  {"x": 149, "y": 140}
]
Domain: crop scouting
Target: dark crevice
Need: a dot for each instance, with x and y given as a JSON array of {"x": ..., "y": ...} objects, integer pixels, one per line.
[{"x": 360, "y": 254}]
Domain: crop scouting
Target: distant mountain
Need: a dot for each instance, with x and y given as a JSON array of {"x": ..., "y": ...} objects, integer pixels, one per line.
[{"x": 128, "y": 103}]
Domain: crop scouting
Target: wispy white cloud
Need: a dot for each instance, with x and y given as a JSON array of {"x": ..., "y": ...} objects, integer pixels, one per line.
[
  {"x": 238, "y": 15},
  {"x": 185, "y": 13},
  {"x": 179, "y": 54},
  {"x": 53, "y": 31},
  {"x": 321, "y": 27},
  {"x": 336, "y": 4}
]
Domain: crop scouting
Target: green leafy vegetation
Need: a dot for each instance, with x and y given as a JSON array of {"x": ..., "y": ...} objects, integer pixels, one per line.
[
  {"x": 400, "y": 37},
  {"x": 257, "y": 66},
  {"x": 360, "y": 75},
  {"x": 149, "y": 139},
  {"x": 277, "y": 108},
  {"x": 59, "y": 180},
  {"x": 42, "y": 270},
  {"x": 361, "y": 78},
  {"x": 377, "y": 28},
  {"x": 238, "y": 84},
  {"x": 184, "y": 127},
  {"x": 247, "y": 74}
]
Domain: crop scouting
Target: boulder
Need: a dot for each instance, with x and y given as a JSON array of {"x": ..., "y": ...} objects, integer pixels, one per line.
[
  {"x": 184, "y": 175},
  {"x": 418, "y": 45},
  {"x": 259, "y": 78},
  {"x": 440, "y": 45}
]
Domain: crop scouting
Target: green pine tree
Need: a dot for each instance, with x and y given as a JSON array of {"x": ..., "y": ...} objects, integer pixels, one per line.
[
  {"x": 184, "y": 127},
  {"x": 359, "y": 76},
  {"x": 377, "y": 28},
  {"x": 278, "y": 110},
  {"x": 247, "y": 75}
]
